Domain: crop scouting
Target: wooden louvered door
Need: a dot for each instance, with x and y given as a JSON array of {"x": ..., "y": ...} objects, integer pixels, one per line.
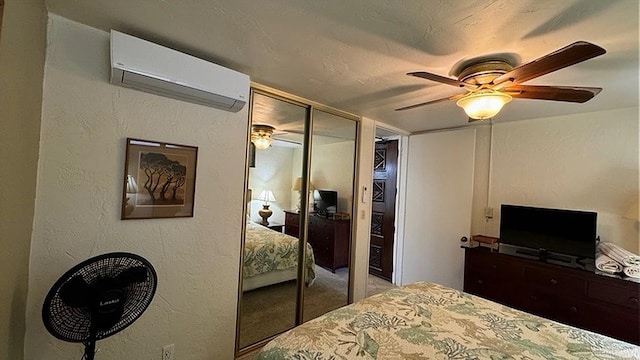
[{"x": 383, "y": 197}]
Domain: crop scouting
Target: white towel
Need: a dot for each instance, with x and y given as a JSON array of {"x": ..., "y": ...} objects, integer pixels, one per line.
[
  {"x": 632, "y": 271},
  {"x": 615, "y": 252},
  {"x": 607, "y": 264}
]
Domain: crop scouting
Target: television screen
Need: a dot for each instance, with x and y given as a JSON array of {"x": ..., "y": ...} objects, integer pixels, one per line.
[
  {"x": 325, "y": 202},
  {"x": 568, "y": 232}
]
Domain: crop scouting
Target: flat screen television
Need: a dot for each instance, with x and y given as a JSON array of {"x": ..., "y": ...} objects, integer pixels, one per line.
[
  {"x": 565, "y": 237},
  {"x": 325, "y": 202}
]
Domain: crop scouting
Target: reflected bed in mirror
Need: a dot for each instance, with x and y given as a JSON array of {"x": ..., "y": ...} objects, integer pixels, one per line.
[{"x": 271, "y": 257}]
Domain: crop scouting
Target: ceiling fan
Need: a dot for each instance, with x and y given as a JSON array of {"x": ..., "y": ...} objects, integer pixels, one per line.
[
  {"x": 263, "y": 135},
  {"x": 492, "y": 82}
]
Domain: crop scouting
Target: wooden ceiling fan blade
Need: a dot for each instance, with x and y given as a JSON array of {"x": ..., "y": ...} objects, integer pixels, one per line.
[
  {"x": 569, "y": 55},
  {"x": 442, "y": 79},
  {"x": 454, "y": 97},
  {"x": 575, "y": 94}
]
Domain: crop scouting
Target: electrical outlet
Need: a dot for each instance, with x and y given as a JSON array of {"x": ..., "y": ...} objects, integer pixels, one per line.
[{"x": 168, "y": 351}]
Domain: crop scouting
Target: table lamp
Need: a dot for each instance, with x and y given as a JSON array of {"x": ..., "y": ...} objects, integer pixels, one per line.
[
  {"x": 297, "y": 186},
  {"x": 266, "y": 196}
]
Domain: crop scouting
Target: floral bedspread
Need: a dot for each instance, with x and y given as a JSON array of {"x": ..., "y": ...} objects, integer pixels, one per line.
[
  {"x": 266, "y": 250},
  {"x": 429, "y": 321}
]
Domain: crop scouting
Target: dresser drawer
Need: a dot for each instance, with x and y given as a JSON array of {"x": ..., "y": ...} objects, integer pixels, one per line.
[
  {"x": 320, "y": 246},
  {"x": 492, "y": 265},
  {"x": 292, "y": 230},
  {"x": 555, "y": 280},
  {"x": 536, "y": 301},
  {"x": 627, "y": 296},
  {"x": 577, "y": 312},
  {"x": 291, "y": 218},
  {"x": 481, "y": 285}
]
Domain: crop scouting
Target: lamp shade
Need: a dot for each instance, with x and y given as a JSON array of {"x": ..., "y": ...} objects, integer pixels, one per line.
[
  {"x": 483, "y": 104},
  {"x": 266, "y": 195},
  {"x": 297, "y": 185}
]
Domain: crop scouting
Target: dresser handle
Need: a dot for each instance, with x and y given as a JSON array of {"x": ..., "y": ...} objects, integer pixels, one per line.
[
  {"x": 554, "y": 282},
  {"x": 533, "y": 297},
  {"x": 493, "y": 266},
  {"x": 573, "y": 309},
  {"x": 633, "y": 300},
  {"x": 480, "y": 282}
]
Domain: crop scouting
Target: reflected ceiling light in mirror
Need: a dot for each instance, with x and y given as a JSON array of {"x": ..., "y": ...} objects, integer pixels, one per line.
[
  {"x": 483, "y": 104},
  {"x": 261, "y": 136}
]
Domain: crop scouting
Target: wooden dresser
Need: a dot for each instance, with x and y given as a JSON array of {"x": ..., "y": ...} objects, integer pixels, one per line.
[
  {"x": 329, "y": 238},
  {"x": 580, "y": 298}
]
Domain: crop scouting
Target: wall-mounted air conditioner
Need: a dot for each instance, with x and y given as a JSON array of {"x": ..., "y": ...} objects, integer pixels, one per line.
[{"x": 145, "y": 66}]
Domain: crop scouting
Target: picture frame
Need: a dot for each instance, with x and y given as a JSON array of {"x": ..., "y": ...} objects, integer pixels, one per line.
[{"x": 159, "y": 180}]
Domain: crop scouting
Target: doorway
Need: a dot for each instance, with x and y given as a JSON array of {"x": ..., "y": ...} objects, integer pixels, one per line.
[
  {"x": 386, "y": 200},
  {"x": 383, "y": 209}
]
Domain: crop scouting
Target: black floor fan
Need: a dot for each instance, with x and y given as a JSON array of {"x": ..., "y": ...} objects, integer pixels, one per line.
[{"x": 98, "y": 298}]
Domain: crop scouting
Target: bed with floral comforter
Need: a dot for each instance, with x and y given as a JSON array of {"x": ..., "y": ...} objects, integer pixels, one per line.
[
  {"x": 429, "y": 321},
  {"x": 271, "y": 257}
]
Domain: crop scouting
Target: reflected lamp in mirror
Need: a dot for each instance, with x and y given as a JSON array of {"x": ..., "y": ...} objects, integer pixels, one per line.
[
  {"x": 266, "y": 196},
  {"x": 261, "y": 136},
  {"x": 132, "y": 189},
  {"x": 297, "y": 186}
]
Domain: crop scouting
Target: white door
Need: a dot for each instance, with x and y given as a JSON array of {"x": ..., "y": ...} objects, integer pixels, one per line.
[{"x": 439, "y": 195}]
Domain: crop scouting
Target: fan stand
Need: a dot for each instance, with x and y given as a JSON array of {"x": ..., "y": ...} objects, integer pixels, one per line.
[
  {"x": 99, "y": 297},
  {"x": 90, "y": 346}
]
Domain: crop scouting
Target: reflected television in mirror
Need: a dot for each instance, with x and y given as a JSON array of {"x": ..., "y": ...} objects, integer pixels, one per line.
[{"x": 325, "y": 202}]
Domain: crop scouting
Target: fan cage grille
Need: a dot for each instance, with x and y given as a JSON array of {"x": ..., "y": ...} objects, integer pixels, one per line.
[{"x": 74, "y": 324}]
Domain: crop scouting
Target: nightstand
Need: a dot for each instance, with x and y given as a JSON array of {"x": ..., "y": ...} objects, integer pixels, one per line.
[{"x": 275, "y": 227}]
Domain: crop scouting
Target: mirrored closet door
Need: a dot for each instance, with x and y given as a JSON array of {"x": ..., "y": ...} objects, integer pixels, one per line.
[
  {"x": 329, "y": 223},
  {"x": 299, "y": 206}
]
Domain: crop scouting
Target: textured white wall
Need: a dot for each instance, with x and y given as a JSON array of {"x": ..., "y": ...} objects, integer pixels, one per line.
[
  {"x": 77, "y": 213},
  {"x": 22, "y": 54},
  {"x": 438, "y": 212},
  {"x": 362, "y": 216},
  {"x": 584, "y": 161}
]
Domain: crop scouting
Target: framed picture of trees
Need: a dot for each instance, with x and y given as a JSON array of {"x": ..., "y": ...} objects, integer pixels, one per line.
[{"x": 159, "y": 180}]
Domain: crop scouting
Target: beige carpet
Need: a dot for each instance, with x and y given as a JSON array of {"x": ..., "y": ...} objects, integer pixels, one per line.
[{"x": 271, "y": 310}]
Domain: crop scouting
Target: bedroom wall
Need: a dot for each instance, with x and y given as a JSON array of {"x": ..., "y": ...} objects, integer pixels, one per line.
[
  {"x": 332, "y": 169},
  {"x": 583, "y": 161},
  {"x": 362, "y": 216},
  {"x": 22, "y": 56},
  {"x": 273, "y": 171},
  {"x": 85, "y": 121}
]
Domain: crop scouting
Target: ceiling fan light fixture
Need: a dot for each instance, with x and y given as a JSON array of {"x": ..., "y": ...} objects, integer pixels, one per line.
[
  {"x": 261, "y": 136},
  {"x": 483, "y": 104}
]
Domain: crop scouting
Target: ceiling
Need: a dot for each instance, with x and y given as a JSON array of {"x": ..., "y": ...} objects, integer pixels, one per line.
[{"x": 354, "y": 55}]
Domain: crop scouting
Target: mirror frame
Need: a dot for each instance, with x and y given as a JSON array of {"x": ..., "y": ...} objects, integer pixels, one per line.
[{"x": 309, "y": 106}]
